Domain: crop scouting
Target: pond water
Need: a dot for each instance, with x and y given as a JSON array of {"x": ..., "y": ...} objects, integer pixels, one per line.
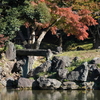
[{"x": 8, "y": 94}]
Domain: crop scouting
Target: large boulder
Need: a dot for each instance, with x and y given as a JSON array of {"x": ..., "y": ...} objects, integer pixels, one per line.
[
  {"x": 47, "y": 83},
  {"x": 97, "y": 78},
  {"x": 87, "y": 85},
  {"x": 79, "y": 74},
  {"x": 8, "y": 82},
  {"x": 93, "y": 75},
  {"x": 45, "y": 67},
  {"x": 11, "y": 82},
  {"x": 11, "y": 51},
  {"x": 21, "y": 66},
  {"x": 62, "y": 73},
  {"x": 25, "y": 83},
  {"x": 60, "y": 63},
  {"x": 69, "y": 86},
  {"x": 94, "y": 72}
]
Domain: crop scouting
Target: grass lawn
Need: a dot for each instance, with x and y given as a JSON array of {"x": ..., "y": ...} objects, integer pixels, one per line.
[{"x": 84, "y": 54}]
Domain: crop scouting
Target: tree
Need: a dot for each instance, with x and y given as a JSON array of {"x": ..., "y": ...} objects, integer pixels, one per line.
[
  {"x": 15, "y": 13},
  {"x": 9, "y": 18},
  {"x": 93, "y": 6},
  {"x": 44, "y": 15},
  {"x": 72, "y": 22}
]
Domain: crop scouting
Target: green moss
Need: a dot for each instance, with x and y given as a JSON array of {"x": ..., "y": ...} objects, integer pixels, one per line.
[
  {"x": 65, "y": 80},
  {"x": 98, "y": 65},
  {"x": 31, "y": 78},
  {"x": 41, "y": 74},
  {"x": 71, "y": 68}
]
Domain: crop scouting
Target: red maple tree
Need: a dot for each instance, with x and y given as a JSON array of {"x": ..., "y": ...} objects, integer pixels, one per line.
[
  {"x": 64, "y": 18},
  {"x": 72, "y": 22}
]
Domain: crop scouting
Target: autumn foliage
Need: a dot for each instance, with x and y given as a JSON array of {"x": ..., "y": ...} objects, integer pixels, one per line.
[
  {"x": 75, "y": 23},
  {"x": 2, "y": 40},
  {"x": 72, "y": 22}
]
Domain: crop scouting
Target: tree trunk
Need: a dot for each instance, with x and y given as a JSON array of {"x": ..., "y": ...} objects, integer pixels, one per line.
[
  {"x": 96, "y": 36},
  {"x": 39, "y": 40},
  {"x": 96, "y": 44},
  {"x": 28, "y": 34},
  {"x": 22, "y": 38},
  {"x": 32, "y": 39},
  {"x": 60, "y": 41}
]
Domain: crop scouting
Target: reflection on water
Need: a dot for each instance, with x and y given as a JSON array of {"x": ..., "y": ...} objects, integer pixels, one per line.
[{"x": 8, "y": 94}]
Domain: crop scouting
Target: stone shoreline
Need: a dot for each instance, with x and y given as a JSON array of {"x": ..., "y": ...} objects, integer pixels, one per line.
[{"x": 52, "y": 74}]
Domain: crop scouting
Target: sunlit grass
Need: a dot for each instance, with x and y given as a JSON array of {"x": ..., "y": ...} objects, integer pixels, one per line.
[
  {"x": 83, "y": 54},
  {"x": 38, "y": 62},
  {"x": 85, "y": 46}
]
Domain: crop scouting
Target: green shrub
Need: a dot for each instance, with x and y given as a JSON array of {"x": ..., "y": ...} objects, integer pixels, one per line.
[
  {"x": 19, "y": 47},
  {"x": 70, "y": 45}
]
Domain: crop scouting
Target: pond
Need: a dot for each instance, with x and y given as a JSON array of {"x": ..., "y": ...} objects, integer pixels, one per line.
[{"x": 8, "y": 94}]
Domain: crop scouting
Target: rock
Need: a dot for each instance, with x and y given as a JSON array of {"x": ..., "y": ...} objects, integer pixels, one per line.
[
  {"x": 35, "y": 85},
  {"x": 79, "y": 74},
  {"x": 75, "y": 59},
  {"x": 69, "y": 86},
  {"x": 3, "y": 82},
  {"x": 93, "y": 75},
  {"x": 30, "y": 62},
  {"x": 87, "y": 85},
  {"x": 59, "y": 49},
  {"x": 97, "y": 80},
  {"x": 45, "y": 67},
  {"x": 62, "y": 73},
  {"x": 25, "y": 83},
  {"x": 11, "y": 51},
  {"x": 21, "y": 66},
  {"x": 65, "y": 59},
  {"x": 94, "y": 72},
  {"x": 49, "y": 54},
  {"x": 79, "y": 48},
  {"x": 58, "y": 65},
  {"x": 9, "y": 82},
  {"x": 92, "y": 67},
  {"x": 1, "y": 69},
  {"x": 96, "y": 60},
  {"x": 47, "y": 83}
]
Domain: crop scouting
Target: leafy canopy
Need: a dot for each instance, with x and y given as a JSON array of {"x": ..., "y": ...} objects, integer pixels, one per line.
[
  {"x": 73, "y": 21},
  {"x": 15, "y": 13},
  {"x": 71, "y": 16}
]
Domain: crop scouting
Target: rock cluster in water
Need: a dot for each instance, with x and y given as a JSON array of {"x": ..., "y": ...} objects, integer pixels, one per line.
[
  {"x": 53, "y": 74},
  {"x": 61, "y": 72}
]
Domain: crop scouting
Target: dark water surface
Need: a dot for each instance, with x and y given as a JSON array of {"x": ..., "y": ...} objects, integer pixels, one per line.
[{"x": 8, "y": 94}]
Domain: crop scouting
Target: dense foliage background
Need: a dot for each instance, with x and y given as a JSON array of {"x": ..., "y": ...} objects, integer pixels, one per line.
[{"x": 72, "y": 17}]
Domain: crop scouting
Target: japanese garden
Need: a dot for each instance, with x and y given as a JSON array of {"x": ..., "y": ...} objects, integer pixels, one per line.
[{"x": 50, "y": 45}]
